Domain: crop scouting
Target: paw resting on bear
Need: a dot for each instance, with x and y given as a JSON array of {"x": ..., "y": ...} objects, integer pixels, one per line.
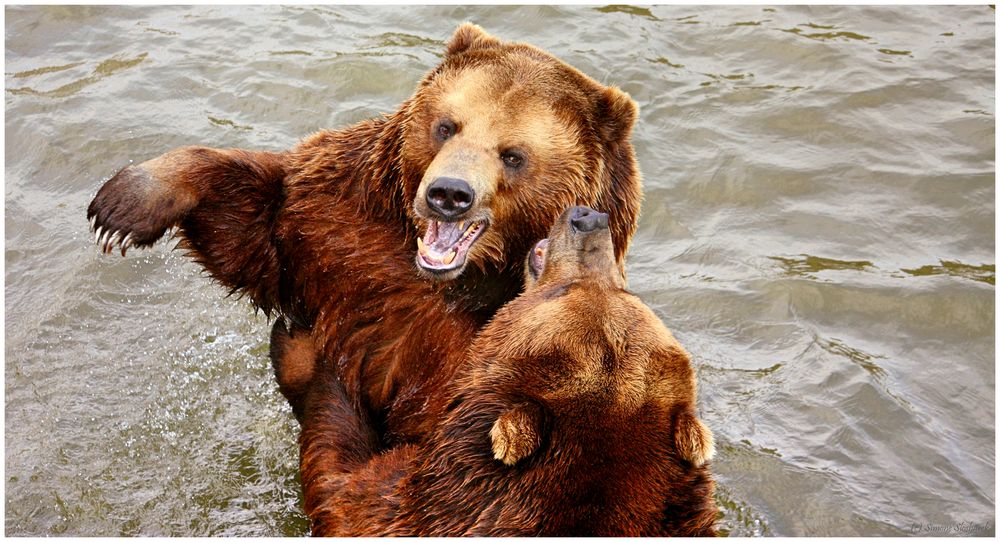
[{"x": 517, "y": 433}]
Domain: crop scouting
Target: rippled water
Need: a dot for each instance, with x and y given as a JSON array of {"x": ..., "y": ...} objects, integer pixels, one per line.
[{"x": 818, "y": 231}]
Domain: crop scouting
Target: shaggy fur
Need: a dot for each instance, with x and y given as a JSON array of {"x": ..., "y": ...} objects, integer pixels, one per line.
[
  {"x": 574, "y": 416},
  {"x": 326, "y": 234}
]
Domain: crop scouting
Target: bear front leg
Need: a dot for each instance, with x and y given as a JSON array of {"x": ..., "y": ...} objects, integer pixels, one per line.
[
  {"x": 335, "y": 446},
  {"x": 336, "y": 437},
  {"x": 225, "y": 203},
  {"x": 139, "y": 204}
]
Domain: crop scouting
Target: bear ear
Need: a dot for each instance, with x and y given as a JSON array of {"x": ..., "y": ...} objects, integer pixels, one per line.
[
  {"x": 470, "y": 36},
  {"x": 621, "y": 193},
  {"x": 693, "y": 439},
  {"x": 517, "y": 433},
  {"x": 616, "y": 114}
]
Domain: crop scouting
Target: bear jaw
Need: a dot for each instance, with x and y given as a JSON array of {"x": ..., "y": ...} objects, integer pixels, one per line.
[{"x": 443, "y": 251}]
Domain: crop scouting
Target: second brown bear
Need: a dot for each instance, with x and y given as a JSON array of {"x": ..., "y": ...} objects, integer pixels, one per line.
[{"x": 575, "y": 415}]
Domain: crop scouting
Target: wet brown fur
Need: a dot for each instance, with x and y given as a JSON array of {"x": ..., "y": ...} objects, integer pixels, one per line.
[
  {"x": 595, "y": 395},
  {"x": 325, "y": 234}
]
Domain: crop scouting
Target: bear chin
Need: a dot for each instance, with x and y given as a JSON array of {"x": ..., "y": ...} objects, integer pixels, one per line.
[{"x": 440, "y": 275}]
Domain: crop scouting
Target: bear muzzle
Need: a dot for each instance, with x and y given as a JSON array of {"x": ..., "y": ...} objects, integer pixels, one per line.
[
  {"x": 585, "y": 219},
  {"x": 450, "y": 197}
]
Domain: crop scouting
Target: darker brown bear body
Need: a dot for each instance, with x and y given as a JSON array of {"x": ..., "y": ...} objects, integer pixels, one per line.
[
  {"x": 358, "y": 234},
  {"x": 574, "y": 416}
]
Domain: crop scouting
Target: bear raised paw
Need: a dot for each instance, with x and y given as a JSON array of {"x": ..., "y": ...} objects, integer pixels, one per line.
[
  {"x": 394, "y": 240},
  {"x": 575, "y": 415}
]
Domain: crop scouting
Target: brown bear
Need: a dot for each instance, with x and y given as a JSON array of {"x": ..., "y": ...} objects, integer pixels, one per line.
[
  {"x": 575, "y": 415},
  {"x": 397, "y": 238}
]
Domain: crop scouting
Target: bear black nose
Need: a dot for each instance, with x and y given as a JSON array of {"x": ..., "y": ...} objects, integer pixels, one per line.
[
  {"x": 585, "y": 219},
  {"x": 450, "y": 197}
]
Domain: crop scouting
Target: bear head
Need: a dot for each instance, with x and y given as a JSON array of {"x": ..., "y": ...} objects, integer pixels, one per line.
[
  {"x": 579, "y": 359},
  {"x": 497, "y": 141}
]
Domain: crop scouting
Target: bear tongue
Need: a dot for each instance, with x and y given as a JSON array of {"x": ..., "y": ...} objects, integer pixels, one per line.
[
  {"x": 441, "y": 236},
  {"x": 441, "y": 242}
]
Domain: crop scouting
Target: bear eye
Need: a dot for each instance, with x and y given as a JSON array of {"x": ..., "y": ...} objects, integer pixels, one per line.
[
  {"x": 512, "y": 159},
  {"x": 445, "y": 129}
]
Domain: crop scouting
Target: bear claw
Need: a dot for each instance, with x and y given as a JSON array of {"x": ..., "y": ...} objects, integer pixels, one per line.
[
  {"x": 107, "y": 239},
  {"x": 110, "y": 242},
  {"x": 126, "y": 243}
]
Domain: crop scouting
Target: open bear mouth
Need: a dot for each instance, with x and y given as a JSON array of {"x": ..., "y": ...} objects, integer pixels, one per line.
[{"x": 445, "y": 245}]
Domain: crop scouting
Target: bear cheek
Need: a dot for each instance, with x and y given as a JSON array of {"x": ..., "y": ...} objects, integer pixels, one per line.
[{"x": 416, "y": 156}]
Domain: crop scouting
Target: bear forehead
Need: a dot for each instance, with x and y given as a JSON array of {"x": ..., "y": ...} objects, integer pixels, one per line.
[{"x": 477, "y": 99}]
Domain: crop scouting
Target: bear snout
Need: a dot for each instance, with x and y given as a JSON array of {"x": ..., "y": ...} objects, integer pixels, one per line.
[
  {"x": 585, "y": 219},
  {"x": 450, "y": 197}
]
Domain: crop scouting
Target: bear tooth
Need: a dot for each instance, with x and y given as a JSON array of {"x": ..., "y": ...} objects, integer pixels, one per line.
[
  {"x": 421, "y": 248},
  {"x": 450, "y": 257}
]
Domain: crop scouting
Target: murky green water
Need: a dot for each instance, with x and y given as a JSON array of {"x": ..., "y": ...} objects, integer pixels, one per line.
[{"x": 818, "y": 231}]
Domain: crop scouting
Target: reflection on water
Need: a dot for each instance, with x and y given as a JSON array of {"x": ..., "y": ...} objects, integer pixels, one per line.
[
  {"x": 863, "y": 360},
  {"x": 982, "y": 273},
  {"x": 807, "y": 265},
  {"x": 818, "y": 231},
  {"x": 630, "y": 10},
  {"x": 824, "y": 36},
  {"x": 104, "y": 69}
]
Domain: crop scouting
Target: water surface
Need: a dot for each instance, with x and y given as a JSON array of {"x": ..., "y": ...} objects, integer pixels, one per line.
[{"x": 818, "y": 231}]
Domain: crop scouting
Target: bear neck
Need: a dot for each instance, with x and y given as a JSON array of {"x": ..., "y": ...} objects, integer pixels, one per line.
[{"x": 481, "y": 292}]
